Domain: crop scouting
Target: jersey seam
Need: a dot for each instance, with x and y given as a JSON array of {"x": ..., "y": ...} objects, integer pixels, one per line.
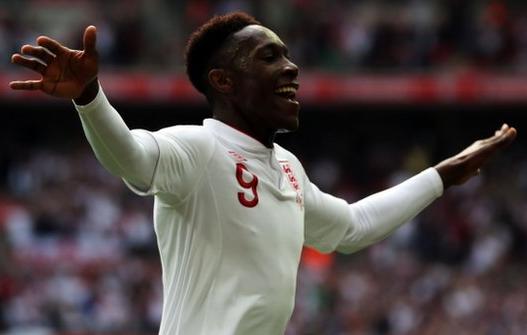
[{"x": 154, "y": 174}]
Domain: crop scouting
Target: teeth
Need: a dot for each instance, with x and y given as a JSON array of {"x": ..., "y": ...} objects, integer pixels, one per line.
[{"x": 286, "y": 89}]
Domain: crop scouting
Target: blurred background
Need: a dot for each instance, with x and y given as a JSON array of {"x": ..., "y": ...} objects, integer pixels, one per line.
[{"x": 388, "y": 88}]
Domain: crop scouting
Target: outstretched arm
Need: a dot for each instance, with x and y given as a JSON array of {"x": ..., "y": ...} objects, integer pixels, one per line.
[
  {"x": 332, "y": 224},
  {"x": 72, "y": 74}
]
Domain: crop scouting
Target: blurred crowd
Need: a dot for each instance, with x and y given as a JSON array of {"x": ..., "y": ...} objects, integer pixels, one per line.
[
  {"x": 77, "y": 249},
  {"x": 78, "y": 252},
  {"x": 360, "y": 35}
]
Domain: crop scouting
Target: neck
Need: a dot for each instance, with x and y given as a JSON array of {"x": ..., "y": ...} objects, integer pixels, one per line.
[{"x": 239, "y": 121}]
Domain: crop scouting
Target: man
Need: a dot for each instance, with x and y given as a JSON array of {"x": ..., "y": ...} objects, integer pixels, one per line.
[{"x": 233, "y": 209}]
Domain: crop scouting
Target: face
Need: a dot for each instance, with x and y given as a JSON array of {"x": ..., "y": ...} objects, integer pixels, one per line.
[{"x": 264, "y": 80}]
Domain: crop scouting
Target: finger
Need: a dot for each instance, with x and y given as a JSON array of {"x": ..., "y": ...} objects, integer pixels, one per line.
[
  {"x": 39, "y": 52},
  {"x": 30, "y": 63},
  {"x": 510, "y": 135},
  {"x": 50, "y": 44},
  {"x": 26, "y": 85},
  {"x": 90, "y": 39},
  {"x": 498, "y": 135},
  {"x": 506, "y": 135},
  {"x": 500, "y": 131},
  {"x": 500, "y": 141}
]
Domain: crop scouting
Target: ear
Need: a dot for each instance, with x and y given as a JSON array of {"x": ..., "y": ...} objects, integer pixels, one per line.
[{"x": 220, "y": 80}]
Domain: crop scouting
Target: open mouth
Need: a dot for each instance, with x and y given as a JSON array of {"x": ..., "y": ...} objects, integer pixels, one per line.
[{"x": 287, "y": 92}]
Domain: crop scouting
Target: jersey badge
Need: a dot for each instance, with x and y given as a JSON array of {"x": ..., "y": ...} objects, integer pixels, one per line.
[{"x": 293, "y": 181}]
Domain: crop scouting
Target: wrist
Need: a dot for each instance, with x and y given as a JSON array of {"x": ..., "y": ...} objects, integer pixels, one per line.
[
  {"x": 446, "y": 172},
  {"x": 88, "y": 94}
]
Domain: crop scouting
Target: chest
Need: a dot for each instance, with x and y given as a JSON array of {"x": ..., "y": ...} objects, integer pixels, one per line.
[{"x": 260, "y": 197}]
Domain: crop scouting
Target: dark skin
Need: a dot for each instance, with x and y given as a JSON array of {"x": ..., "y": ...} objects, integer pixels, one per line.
[{"x": 246, "y": 91}]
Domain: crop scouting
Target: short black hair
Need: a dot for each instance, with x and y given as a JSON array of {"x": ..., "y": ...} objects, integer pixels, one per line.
[{"x": 206, "y": 40}]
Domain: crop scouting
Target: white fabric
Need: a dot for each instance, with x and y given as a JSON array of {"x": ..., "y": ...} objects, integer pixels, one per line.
[
  {"x": 229, "y": 247},
  {"x": 130, "y": 155},
  {"x": 370, "y": 219}
]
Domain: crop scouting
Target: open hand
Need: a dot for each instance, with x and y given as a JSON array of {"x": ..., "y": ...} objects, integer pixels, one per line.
[
  {"x": 64, "y": 72},
  {"x": 458, "y": 169}
]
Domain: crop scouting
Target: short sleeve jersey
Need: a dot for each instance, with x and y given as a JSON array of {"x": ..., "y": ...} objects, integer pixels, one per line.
[{"x": 231, "y": 217}]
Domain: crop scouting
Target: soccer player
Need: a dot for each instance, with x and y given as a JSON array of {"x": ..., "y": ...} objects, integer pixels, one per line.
[{"x": 232, "y": 209}]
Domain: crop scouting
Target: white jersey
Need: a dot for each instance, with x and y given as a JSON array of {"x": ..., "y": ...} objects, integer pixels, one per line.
[{"x": 231, "y": 217}]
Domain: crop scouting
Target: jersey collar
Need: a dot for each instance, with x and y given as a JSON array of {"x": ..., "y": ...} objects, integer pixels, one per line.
[{"x": 235, "y": 136}]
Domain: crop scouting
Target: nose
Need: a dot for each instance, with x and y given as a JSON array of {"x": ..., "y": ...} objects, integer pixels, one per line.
[{"x": 290, "y": 69}]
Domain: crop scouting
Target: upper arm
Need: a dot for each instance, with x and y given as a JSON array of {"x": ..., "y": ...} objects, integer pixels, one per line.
[{"x": 326, "y": 219}]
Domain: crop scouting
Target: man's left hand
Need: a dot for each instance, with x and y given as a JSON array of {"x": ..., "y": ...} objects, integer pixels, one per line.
[{"x": 458, "y": 169}]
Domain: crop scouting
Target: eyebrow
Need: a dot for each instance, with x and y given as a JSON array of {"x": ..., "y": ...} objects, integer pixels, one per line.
[{"x": 272, "y": 45}]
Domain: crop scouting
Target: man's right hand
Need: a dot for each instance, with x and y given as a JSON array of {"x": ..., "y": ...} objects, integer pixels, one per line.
[{"x": 65, "y": 73}]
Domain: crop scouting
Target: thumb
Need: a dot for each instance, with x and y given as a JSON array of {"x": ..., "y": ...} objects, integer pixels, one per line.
[{"x": 90, "y": 38}]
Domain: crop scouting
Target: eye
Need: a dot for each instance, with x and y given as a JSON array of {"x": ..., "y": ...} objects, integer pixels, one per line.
[{"x": 269, "y": 57}]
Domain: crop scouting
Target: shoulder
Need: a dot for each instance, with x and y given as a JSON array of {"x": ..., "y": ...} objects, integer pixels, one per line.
[
  {"x": 185, "y": 132},
  {"x": 183, "y": 140},
  {"x": 189, "y": 136}
]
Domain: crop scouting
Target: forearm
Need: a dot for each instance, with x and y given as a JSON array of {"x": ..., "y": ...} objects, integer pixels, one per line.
[
  {"x": 376, "y": 216},
  {"x": 119, "y": 151}
]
